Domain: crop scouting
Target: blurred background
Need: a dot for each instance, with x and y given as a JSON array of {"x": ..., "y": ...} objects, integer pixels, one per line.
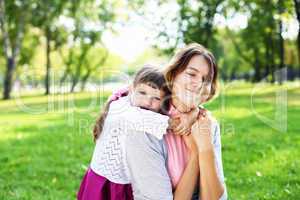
[{"x": 60, "y": 60}]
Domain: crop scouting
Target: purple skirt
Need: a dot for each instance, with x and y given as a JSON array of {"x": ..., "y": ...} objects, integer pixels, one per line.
[{"x": 96, "y": 187}]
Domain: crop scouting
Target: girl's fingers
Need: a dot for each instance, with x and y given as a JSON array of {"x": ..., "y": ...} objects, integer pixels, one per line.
[
  {"x": 183, "y": 131},
  {"x": 178, "y": 130},
  {"x": 188, "y": 131}
]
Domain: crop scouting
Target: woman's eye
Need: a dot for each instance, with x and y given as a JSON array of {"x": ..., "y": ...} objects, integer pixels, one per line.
[{"x": 191, "y": 74}]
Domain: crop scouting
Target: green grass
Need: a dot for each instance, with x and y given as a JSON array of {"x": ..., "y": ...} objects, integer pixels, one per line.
[{"x": 46, "y": 143}]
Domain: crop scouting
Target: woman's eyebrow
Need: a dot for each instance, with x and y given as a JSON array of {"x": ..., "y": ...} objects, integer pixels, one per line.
[{"x": 193, "y": 68}]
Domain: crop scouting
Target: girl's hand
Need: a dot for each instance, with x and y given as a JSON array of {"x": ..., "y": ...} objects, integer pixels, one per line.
[
  {"x": 186, "y": 122},
  {"x": 173, "y": 122},
  {"x": 119, "y": 93},
  {"x": 201, "y": 131}
]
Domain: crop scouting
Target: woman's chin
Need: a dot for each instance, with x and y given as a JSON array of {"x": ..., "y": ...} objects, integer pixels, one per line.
[
  {"x": 191, "y": 102},
  {"x": 189, "y": 105},
  {"x": 187, "y": 102}
]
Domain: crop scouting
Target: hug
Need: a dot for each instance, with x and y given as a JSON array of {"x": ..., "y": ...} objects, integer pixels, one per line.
[{"x": 155, "y": 141}]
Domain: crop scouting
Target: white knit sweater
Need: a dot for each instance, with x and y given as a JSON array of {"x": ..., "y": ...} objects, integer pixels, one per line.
[{"x": 122, "y": 119}]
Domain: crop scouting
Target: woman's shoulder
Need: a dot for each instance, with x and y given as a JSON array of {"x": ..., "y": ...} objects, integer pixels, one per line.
[{"x": 214, "y": 121}]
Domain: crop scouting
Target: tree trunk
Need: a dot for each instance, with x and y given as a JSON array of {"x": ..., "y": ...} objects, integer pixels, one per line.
[
  {"x": 91, "y": 69},
  {"x": 257, "y": 75},
  {"x": 297, "y": 9},
  {"x": 281, "y": 46},
  {"x": 272, "y": 58},
  {"x": 10, "y": 67},
  {"x": 74, "y": 83},
  {"x": 267, "y": 54},
  {"x": 281, "y": 42},
  {"x": 48, "y": 61},
  {"x": 233, "y": 73},
  {"x": 281, "y": 52},
  {"x": 298, "y": 47},
  {"x": 65, "y": 75},
  {"x": 76, "y": 77},
  {"x": 84, "y": 80},
  {"x": 10, "y": 51}
]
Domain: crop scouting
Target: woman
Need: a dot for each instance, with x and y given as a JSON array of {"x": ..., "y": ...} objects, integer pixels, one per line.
[{"x": 160, "y": 169}]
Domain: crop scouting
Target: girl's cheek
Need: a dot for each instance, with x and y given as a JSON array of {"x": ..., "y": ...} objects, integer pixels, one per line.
[{"x": 158, "y": 106}]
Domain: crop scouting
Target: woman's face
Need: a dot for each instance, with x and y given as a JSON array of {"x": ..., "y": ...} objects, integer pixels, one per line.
[{"x": 188, "y": 84}]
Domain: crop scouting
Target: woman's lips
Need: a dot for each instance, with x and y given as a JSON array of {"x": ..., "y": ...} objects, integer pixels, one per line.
[{"x": 192, "y": 91}]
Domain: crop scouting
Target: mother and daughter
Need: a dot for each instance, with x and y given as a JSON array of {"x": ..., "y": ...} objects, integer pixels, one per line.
[{"x": 154, "y": 141}]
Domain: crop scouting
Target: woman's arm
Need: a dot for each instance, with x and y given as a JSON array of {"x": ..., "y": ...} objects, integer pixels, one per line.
[
  {"x": 211, "y": 171},
  {"x": 188, "y": 182}
]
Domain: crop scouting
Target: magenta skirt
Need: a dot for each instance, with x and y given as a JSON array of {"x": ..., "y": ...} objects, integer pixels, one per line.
[{"x": 96, "y": 187}]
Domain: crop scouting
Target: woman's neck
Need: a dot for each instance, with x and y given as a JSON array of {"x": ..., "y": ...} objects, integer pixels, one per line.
[{"x": 179, "y": 105}]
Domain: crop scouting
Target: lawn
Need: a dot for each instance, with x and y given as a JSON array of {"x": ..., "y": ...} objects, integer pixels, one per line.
[{"x": 46, "y": 142}]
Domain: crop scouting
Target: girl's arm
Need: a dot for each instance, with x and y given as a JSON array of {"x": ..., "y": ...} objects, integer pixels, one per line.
[
  {"x": 188, "y": 181},
  {"x": 133, "y": 118},
  {"x": 146, "y": 160}
]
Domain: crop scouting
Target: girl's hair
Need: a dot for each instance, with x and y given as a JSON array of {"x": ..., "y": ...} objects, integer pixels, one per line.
[
  {"x": 181, "y": 59},
  {"x": 149, "y": 75}
]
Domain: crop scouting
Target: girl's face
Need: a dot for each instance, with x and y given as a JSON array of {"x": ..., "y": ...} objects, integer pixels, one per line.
[
  {"x": 147, "y": 97},
  {"x": 188, "y": 85}
]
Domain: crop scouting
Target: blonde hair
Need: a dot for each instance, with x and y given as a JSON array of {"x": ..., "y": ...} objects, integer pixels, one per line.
[{"x": 181, "y": 59}]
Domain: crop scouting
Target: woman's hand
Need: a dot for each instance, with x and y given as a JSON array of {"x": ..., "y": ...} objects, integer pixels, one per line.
[
  {"x": 191, "y": 144},
  {"x": 186, "y": 120},
  {"x": 201, "y": 131}
]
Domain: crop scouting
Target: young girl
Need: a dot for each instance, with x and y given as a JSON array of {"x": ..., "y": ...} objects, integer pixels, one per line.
[{"x": 108, "y": 177}]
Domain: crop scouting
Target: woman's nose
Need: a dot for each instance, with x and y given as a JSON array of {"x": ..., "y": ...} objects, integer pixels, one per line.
[{"x": 195, "y": 86}]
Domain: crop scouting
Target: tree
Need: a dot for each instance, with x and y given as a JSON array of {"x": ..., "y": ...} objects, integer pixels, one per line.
[
  {"x": 194, "y": 22},
  {"x": 91, "y": 19},
  {"x": 45, "y": 14},
  {"x": 91, "y": 66},
  {"x": 13, "y": 19},
  {"x": 297, "y": 11},
  {"x": 261, "y": 43}
]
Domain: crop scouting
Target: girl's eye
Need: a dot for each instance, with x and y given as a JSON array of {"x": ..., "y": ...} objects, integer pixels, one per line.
[
  {"x": 142, "y": 92},
  {"x": 157, "y": 98}
]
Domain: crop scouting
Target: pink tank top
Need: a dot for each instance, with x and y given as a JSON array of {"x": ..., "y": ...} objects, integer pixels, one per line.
[{"x": 177, "y": 153}]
